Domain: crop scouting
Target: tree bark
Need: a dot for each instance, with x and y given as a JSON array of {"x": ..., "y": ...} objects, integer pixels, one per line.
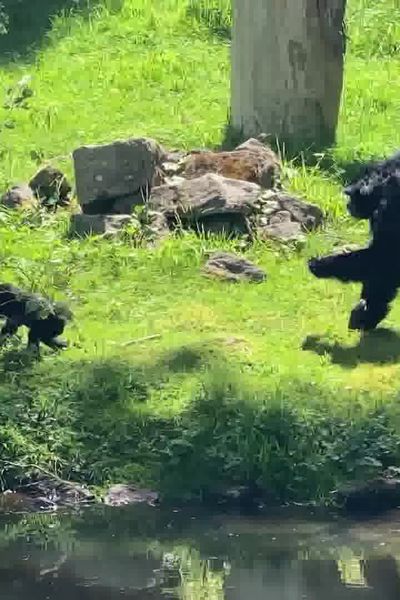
[{"x": 287, "y": 69}]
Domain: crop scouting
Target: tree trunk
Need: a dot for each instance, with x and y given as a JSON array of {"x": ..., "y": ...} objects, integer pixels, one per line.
[{"x": 287, "y": 70}]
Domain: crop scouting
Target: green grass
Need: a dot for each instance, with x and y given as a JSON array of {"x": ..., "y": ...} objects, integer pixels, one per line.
[{"x": 226, "y": 393}]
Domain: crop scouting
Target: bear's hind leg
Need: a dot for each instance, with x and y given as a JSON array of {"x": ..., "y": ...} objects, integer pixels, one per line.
[{"x": 373, "y": 306}]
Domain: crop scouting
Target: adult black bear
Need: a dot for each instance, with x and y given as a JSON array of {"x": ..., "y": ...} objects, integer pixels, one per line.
[{"x": 376, "y": 197}]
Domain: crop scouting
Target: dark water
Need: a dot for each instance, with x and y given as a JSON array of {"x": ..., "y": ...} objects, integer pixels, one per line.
[{"x": 145, "y": 553}]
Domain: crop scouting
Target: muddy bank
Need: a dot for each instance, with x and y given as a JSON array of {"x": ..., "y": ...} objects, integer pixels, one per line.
[{"x": 50, "y": 493}]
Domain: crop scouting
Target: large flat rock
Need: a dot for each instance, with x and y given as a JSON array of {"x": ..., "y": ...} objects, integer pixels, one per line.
[
  {"x": 107, "y": 172},
  {"x": 205, "y": 196}
]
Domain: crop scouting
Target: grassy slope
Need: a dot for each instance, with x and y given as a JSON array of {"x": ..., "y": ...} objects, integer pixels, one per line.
[{"x": 226, "y": 393}]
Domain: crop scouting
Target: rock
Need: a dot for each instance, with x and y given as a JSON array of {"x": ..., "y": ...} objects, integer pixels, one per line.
[
  {"x": 286, "y": 218},
  {"x": 210, "y": 204},
  {"x": 174, "y": 180},
  {"x": 259, "y": 147},
  {"x": 230, "y": 225},
  {"x": 263, "y": 138},
  {"x": 47, "y": 493},
  {"x": 205, "y": 196},
  {"x": 123, "y": 494},
  {"x": 69, "y": 493},
  {"x": 51, "y": 186},
  {"x": 233, "y": 268},
  {"x": 174, "y": 162},
  {"x": 172, "y": 169},
  {"x": 374, "y": 496},
  {"x": 122, "y": 206},
  {"x": 19, "y": 196},
  {"x": 61, "y": 493},
  {"x": 251, "y": 161},
  {"x": 108, "y": 225},
  {"x": 157, "y": 224},
  {"x": 284, "y": 231},
  {"x": 244, "y": 497},
  {"x": 110, "y": 172},
  {"x": 13, "y": 502}
]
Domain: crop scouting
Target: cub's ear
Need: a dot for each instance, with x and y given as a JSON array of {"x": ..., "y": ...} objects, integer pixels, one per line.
[{"x": 63, "y": 311}]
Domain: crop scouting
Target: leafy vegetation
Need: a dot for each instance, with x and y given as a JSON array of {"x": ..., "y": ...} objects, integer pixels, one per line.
[
  {"x": 3, "y": 20},
  {"x": 225, "y": 393}
]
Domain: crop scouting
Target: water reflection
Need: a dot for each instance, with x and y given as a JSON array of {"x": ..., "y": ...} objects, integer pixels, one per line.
[{"x": 148, "y": 554}]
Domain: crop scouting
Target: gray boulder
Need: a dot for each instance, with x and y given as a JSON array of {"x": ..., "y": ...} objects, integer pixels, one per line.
[
  {"x": 110, "y": 172},
  {"x": 82, "y": 225},
  {"x": 208, "y": 204},
  {"x": 123, "y": 494},
  {"x": 284, "y": 231},
  {"x": 286, "y": 218},
  {"x": 233, "y": 268},
  {"x": 158, "y": 226},
  {"x": 45, "y": 493},
  {"x": 20, "y": 196},
  {"x": 208, "y": 195}
]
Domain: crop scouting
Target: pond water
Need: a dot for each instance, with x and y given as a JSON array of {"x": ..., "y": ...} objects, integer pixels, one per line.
[{"x": 147, "y": 553}]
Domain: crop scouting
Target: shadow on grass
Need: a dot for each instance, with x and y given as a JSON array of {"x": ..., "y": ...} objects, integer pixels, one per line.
[
  {"x": 15, "y": 358},
  {"x": 184, "y": 359},
  {"x": 225, "y": 435},
  {"x": 112, "y": 420},
  {"x": 30, "y": 20},
  {"x": 381, "y": 346},
  {"x": 292, "y": 151},
  {"x": 218, "y": 20}
]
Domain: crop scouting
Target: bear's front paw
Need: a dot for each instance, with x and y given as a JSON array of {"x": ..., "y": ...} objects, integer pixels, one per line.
[{"x": 357, "y": 316}]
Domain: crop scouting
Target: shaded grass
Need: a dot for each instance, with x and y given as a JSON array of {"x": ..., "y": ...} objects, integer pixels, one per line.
[
  {"x": 101, "y": 422},
  {"x": 227, "y": 393},
  {"x": 27, "y": 23}
]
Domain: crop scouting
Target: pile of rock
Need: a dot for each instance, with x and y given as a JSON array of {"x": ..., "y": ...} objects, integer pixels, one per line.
[{"x": 236, "y": 192}]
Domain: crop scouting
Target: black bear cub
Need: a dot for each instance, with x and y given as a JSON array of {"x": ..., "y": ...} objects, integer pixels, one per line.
[
  {"x": 44, "y": 319},
  {"x": 376, "y": 197}
]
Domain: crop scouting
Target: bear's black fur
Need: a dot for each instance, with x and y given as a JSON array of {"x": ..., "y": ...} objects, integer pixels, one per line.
[
  {"x": 376, "y": 197},
  {"x": 44, "y": 319}
]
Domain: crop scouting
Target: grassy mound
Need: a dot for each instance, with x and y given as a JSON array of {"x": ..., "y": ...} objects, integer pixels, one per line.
[{"x": 225, "y": 393}]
